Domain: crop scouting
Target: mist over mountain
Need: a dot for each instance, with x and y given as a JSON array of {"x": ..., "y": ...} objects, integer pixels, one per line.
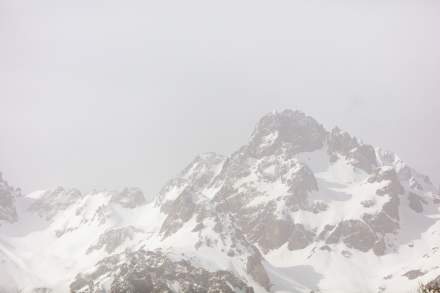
[{"x": 297, "y": 208}]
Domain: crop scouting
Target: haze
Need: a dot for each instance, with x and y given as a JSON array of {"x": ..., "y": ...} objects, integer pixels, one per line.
[{"x": 106, "y": 94}]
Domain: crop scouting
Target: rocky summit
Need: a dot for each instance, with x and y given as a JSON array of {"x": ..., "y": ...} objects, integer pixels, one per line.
[{"x": 298, "y": 208}]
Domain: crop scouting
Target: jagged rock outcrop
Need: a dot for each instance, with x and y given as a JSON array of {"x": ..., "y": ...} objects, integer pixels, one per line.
[
  {"x": 267, "y": 183},
  {"x": 361, "y": 155},
  {"x": 129, "y": 197},
  {"x": 293, "y": 130},
  {"x": 432, "y": 287},
  {"x": 8, "y": 195},
  {"x": 114, "y": 238},
  {"x": 154, "y": 271}
]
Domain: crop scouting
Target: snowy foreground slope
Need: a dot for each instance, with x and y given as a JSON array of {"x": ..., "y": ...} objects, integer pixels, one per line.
[{"x": 298, "y": 208}]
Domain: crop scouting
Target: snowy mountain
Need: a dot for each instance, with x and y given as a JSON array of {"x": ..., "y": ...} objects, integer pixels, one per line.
[{"x": 297, "y": 209}]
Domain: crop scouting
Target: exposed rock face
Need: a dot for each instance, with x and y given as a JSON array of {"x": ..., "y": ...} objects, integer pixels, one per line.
[
  {"x": 188, "y": 200},
  {"x": 263, "y": 182},
  {"x": 387, "y": 174},
  {"x": 153, "y": 271},
  {"x": 197, "y": 176},
  {"x": 292, "y": 129},
  {"x": 370, "y": 232},
  {"x": 432, "y": 287},
  {"x": 341, "y": 142},
  {"x": 416, "y": 202},
  {"x": 179, "y": 211},
  {"x": 129, "y": 198},
  {"x": 255, "y": 268},
  {"x": 362, "y": 156},
  {"x": 266, "y": 184},
  {"x": 8, "y": 195},
  {"x": 355, "y": 234},
  {"x": 114, "y": 238},
  {"x": 414, "y": 274},
  {"x": 54, "y": 201},
  {"x": 300, "y": 237},
  {"x": 183, "y": 197}
]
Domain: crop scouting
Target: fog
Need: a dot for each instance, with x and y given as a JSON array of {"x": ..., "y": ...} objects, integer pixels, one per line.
[{"x": 107, "y": 94}]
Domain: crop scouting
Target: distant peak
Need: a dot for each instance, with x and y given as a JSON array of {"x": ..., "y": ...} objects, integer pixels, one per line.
[
  {"x": 293, "y": 128},
  {"x": 276, "y": 120}
]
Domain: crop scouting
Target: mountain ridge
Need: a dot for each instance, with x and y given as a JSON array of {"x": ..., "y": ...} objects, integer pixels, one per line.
[{"x": 290, "y": 211}]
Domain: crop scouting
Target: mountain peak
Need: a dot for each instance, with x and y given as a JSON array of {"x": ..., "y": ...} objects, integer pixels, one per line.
[
  {"x": 287, "y": 212},
  {"x": 293, "y": 129}
]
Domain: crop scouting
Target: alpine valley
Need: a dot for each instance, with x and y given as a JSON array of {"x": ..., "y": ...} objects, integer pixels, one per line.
[{"x": 298, "y": 208}]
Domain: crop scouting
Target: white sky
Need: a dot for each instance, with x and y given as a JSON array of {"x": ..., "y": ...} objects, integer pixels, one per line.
[{"x": 105, "y": 94}]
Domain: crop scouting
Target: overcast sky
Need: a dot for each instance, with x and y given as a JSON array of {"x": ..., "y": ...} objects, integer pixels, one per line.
[{"x": 106, "y": 94}]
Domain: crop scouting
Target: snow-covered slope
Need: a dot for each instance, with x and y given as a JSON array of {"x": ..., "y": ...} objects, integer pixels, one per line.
[{"x": 298, "y": 208}]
